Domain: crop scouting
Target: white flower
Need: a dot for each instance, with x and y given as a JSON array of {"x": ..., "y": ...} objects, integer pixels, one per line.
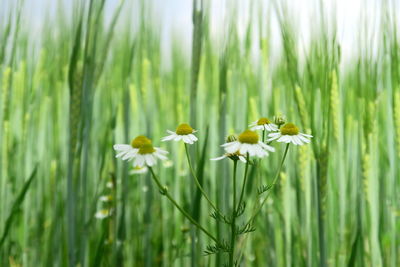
[
  {"x": 248, "y": 143},
  {"x": 129, "y": 152},
  {"x": 102, "y": 214},
  {"x": 147, "y": 156},
  {"x": 105, "y": 198},
  {"x": 138, "y": 170},
  {"x": 233, "y": 156},
  {"x": 263, "y": 124},
  {"x": 168, "y": 164},
  {"x": 109, "y": 185},
  {"x": 183, "y": 132},
  {"x": 289, "y": 133}
]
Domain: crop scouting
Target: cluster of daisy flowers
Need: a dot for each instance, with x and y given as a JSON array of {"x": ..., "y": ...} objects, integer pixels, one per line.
[
  {"x": 237, "y": 148},
  {"x": 247, "y": 144}
]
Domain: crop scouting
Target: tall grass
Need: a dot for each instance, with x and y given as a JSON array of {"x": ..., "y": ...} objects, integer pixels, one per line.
[{"x": 93, "y": 78}]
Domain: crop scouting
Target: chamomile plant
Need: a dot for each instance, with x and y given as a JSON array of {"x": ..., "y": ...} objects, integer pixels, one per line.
[
  {"x": 242, "y": 151},
  {"x": 289, "y": 133}
]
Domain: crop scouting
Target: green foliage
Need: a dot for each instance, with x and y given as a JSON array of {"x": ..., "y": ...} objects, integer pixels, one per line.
[{"x": 87, "y": 80}]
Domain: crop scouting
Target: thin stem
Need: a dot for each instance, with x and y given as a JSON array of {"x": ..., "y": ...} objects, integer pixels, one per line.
[
  {"x": 244, "y": 181},
  {"x": 198, "y": 183},
  {"x": 263, "y": 136},
  {"x": 272, "y": 185},
  {"x": 164, "y": 191},
  {"x": 233, "y": 224},
  {"x": 259, "y": 171}
]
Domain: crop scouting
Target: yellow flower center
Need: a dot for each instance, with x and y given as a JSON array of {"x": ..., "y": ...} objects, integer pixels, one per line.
[
  {"x": 184, "y": 129},
  {"x": 248, "y": 137},
  {"x": 146, "y": 149},
  {"x": 263, "y": 121},
  {"x": 289, "y": 129},
  {"x": 139, "y": 141}
]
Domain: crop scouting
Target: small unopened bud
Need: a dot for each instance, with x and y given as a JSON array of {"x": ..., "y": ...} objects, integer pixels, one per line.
[
  {"x": 231, "y": 138},
  {"x": 185, "y": 229},
  {"x": 279, "y": 120}
]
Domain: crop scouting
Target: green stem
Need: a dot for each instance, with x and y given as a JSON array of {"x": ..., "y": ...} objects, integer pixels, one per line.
[
  {"x": 198, "y": 183},
  {"x": 259, "y": 171},
  {"x": 250, "y": 221},
  {"x": 244, "y": 181},
  {"x": 272, "y": 185},
  {"x": 233, "y": 224},
  {"x": 164, "y": 191}
]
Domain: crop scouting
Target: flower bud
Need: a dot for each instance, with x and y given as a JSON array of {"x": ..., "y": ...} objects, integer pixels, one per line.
[
  {"x": 231, "y": 138},
  {"x": 279, "y": 120}
]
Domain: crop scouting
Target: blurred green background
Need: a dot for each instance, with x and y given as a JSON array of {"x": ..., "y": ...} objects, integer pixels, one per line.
[{"x": 77, "y": 77}]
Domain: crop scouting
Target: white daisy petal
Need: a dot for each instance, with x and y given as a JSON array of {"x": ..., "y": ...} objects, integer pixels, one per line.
[
  {"x": 304, "y": 139},
  {"x": 187, "y": 139},
  {"x": 244, "y": 149},
  {"x": 257, "y": 127},
  {"x": 233, "y": 147},
  {"x": 283, "y": 138},
  {"x": 139, "y": 161},
  {"x": 150, "y": 160},
  {"x": 121, "y": 154},
  {"x": 306, "y": 135},
  {"x": 219, "y": 158},
  {"x": 193, "y": 137},
  {"x": 274, "y": 134},
  {"x": 227, "y": 144},
  {"x": 242, "y": 159},
  {"x": 161, "y": 151},
  {"x": 272, "y": 127},
  {"x": 294, "y": 140},
  {"x": 171, "y": 132},
  {"x": 289, "y": 139},
  {"x": 160, "y": 156},
  {"x": 122, "y": 147},
  {"x": 298, "y": 140},
  {"x": 259, "y": 152},
  {"x": 169, "y": 137},
  {"x": 266, "y": 147},
  {"x": 131, "y": 154}
]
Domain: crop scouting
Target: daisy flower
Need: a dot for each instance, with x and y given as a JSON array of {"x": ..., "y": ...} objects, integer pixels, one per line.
[
  {"x": 107, "y": 198},
  {"x": 147, "y": 156},
  {"x": 102, "y": 214},
  {"x": 248, "y": 142},
  {"x": 232, "y": 156},
  {"x": 289, "y": 133},
  {"x": 128, "y": 152},
  {"x": 138, "y": 170},
  {"x": 183, "y": 132},
  {"x": 263, "y": 124}
]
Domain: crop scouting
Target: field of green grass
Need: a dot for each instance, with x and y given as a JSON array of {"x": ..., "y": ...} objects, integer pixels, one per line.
[{"x": 93, "y": 76}]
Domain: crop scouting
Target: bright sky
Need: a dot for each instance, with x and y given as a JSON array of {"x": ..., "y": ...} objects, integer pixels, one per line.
[{"x": 174, "y": 17}]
